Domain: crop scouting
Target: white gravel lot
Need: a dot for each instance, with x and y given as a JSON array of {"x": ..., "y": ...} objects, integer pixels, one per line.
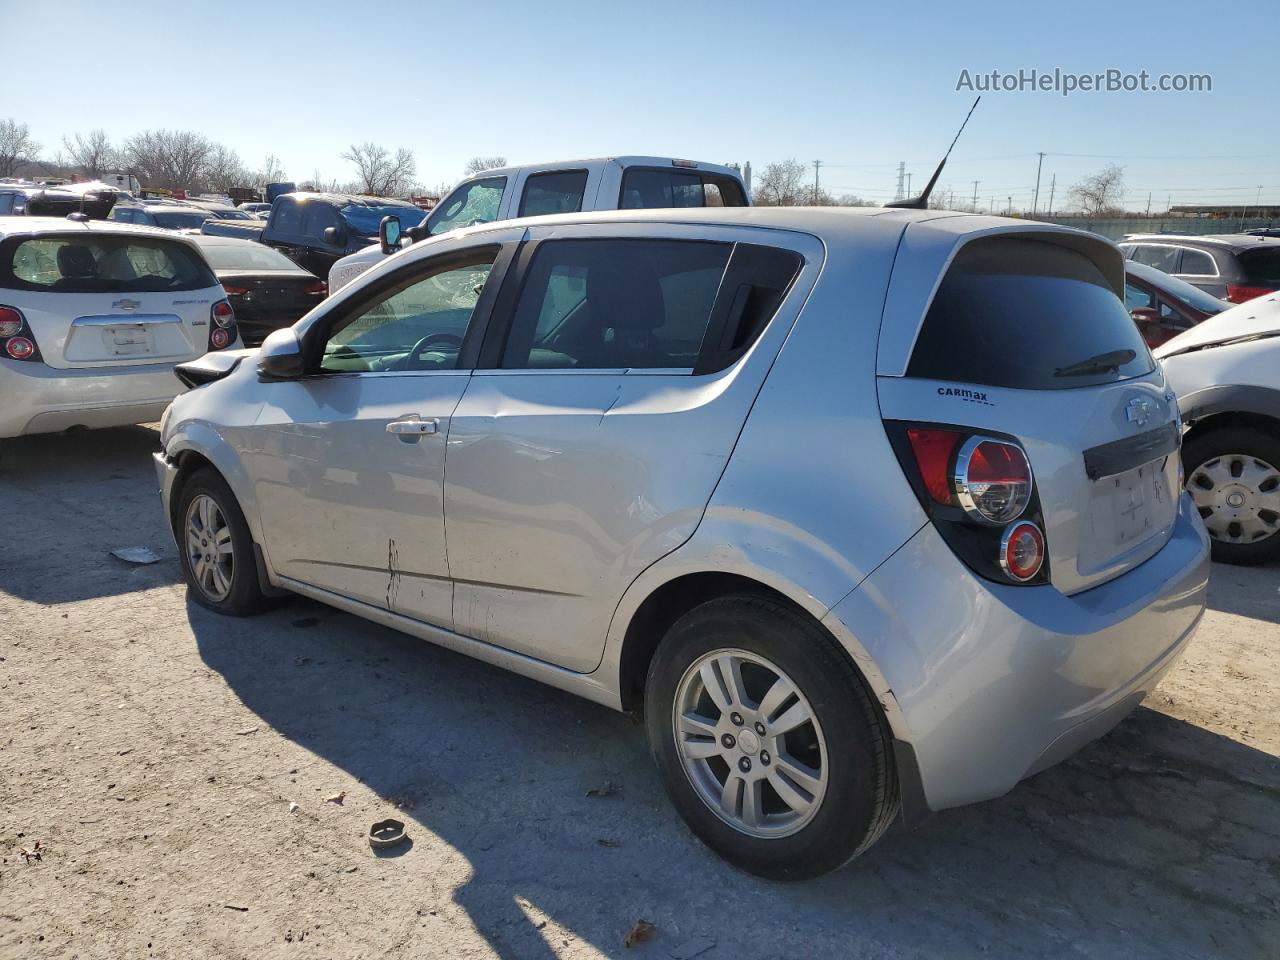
[{"x": 153, "y": 750}]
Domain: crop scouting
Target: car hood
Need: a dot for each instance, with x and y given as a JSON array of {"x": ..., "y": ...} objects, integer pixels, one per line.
[{"x": 1257, "y": 317}]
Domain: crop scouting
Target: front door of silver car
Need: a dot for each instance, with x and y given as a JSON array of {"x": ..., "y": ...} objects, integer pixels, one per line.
[{"x": 348, "y": 463}]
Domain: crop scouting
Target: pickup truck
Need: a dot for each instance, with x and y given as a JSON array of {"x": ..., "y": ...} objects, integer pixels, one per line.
[
  {"x": 315, "y": 230},
  {"x": 608, "y": 183}
]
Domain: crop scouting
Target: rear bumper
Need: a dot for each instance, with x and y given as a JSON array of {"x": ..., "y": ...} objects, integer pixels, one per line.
[
  {"x": 995, "y": 683},
  {"x": 41, "y": 399}
]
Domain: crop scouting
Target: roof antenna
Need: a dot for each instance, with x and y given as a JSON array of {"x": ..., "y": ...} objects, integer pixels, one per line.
[{"x": 921, "y": 202}]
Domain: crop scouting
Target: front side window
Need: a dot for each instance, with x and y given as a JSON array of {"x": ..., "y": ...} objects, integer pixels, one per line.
[
  {"x": 6, "y": 204},
  {"x": 557, "y": 192},
  {"x": 418, "y": 324},
  {"x": 365, "y": 220},
  {"x": 316, "y": 216},
  {"x": 89, "y": 263},
  {"x": 1197, "y": 263},
  {"x": 475, "y": 202},
  {"x": 615, "y": 304},
  {"x": 1135, "y": 297}
]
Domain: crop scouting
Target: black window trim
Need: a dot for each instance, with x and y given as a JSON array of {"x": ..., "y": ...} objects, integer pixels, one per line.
[
  {"x": 713, "y": 357},
  {"x": 700, "y": 173},
  {"x": 10, "y": 281},
  {"x": 318, "y": 333},
  {"x": 551, "y": 172}
]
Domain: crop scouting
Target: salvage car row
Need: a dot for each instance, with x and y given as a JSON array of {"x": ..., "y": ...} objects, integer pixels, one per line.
[{"x": 701, "y": 465}]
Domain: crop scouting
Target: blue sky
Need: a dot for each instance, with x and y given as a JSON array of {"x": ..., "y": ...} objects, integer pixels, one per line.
[{"x": 859, "y": 86}]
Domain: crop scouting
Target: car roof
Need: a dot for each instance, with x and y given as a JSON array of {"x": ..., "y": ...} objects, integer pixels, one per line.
[
  {"x": 37, "y": 226},
  {"x": 356, "y": 199},
  {"x": 688, "y": 166},
  {"x": 1217, "y": 241}
]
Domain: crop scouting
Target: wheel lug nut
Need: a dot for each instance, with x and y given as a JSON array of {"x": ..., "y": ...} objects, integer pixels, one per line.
[
  {"x": 764, "y": 757},
  {"x": 760, "y": 728},
  {"x": 736, "y": 718},
  {"x": 728, "y": 741},
  {"x": 744, "y": 764}
]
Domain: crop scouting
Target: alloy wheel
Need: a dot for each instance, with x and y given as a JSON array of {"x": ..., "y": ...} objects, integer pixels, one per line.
[
  {"x": 209, "y": 549},
  {"x": 1238, "y": 497},
  {"x": 750, "y": 743}
]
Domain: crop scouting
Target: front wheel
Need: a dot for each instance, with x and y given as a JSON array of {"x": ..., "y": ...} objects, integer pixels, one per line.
[
  {"x": 216, "y": 547},
  {"x": 769, "y": 742},
  {"x": 1233, "y": 479}
]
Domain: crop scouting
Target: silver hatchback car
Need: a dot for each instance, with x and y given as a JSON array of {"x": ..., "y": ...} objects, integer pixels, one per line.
[{"x": 866, "y": 512}]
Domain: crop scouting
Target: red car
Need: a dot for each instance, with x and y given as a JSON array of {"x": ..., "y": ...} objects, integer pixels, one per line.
[{"x": 1163, "y": 306}]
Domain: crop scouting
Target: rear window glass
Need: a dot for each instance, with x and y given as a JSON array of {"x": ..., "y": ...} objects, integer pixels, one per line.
[
  {"x": 89, "y": 263},
  {"x": 1030, "y": 315},
  {"x": 644, "y": 188},
  {"x": 1262, "y": 266},
  {"x": 246, "y": 255},
  {"x": 180, "y": 219}
]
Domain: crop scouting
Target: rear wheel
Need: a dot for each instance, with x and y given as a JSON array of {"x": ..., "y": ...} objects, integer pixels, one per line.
[
  {"x": 1233, "y": 477},
  {"x": 216, "y": 547},
  {"x": 769, "y": 742}
]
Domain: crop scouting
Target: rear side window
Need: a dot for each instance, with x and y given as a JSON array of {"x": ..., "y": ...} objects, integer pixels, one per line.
[
  {"x": 1159, "y": 256},
  {"x": 1197, "y": 263},
  {"x": 648, "y": 188},
  {"x": 557, "y": 192},
  {"x": 287, "y": 217},
  {"x": 616, "y": 304},
  {"x": 89, "y": 263},
  {"x": 1026, "y": 314},
  {"x": 1262, "y": 266}
]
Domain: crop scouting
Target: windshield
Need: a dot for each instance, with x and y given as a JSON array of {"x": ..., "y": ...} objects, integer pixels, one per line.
[
  {"x": 364, "y": 220},
  {"x": 246, "y": 255},
  {"x": 104, "y": 263},
  {"x": 178, "y": 219}
]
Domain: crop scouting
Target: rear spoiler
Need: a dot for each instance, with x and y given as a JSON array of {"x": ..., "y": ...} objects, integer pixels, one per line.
[{"x": 212, "y": 366}]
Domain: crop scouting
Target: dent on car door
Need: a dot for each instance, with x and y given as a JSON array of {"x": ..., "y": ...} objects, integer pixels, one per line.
[
  {"x": 348, "y": 462},
  {"x": 590, "y": 447}
]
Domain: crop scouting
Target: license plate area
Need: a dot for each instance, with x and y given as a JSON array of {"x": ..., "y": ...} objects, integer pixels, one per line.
[
  {"x": 127, "y": 340},
  {"x": 1126, "y": 509}
]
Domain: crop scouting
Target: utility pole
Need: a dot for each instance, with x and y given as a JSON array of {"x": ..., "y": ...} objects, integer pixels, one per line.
[
  {"x": 1148, "y": 204},
  {"x": 991, "y": 207},
  {"x": 902, "y": 166},
  {"x": 908, "y": 184},
  {"x": 817, "y": 164},
  {"x": 1052, "y": 186},
  {"x": 1035, "y": 203},
  {"x": 975, "y": 197},
  {"x": 1008, "y": 207}
]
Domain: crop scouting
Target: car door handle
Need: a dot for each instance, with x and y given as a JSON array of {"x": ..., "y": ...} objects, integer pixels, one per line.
[{"x": 413, "y": 427}]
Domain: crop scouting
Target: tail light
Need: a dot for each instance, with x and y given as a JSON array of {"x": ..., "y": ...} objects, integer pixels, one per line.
[
  {"x": 979, "y": 491},
  {"x": 222, "y": 329},
  {"x": 17, "y": 342},
  {"x": 1237, "y": 293},
  {"x": 318, "y": 289}
]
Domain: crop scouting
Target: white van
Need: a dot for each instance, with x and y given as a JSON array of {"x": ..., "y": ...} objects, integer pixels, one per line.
[{"x": 607, "y": 183}]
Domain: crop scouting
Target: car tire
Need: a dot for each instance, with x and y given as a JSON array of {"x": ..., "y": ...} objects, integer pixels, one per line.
[
  {"x": 847, "y": 742},
  {"x": 220, "y": 567},
  {"x": 1230, "y": 464}
]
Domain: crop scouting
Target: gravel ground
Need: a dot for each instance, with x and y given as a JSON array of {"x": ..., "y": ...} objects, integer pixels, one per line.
[{"x": 154, "y": 751}]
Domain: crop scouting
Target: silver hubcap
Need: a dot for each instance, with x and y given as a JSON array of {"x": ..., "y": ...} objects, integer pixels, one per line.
[
  {"x": 209, "y": 547},
  {"x": 750, "y": 743},
  {"x": 1238, "y": 496}
]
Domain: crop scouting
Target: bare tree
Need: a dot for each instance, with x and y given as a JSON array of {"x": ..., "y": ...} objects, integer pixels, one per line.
[
  {"x": 223, "y": 169},
  {"x": 783, "y": 185},
  {"x": 378, "y": 172},
  {"x": 173, "y": 159},
  {"x": 16, "y": 147},
  {"x": 480, "y": 164},
  {"x": 271, "y": 172},
  {"x": 1101, "y": 194},
  {"x": 93, "y": 154}
]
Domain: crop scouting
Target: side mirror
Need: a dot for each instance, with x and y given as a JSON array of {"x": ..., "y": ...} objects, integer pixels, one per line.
[
  {"x": 1143, "y": 315},
  {"x": 280, "y": 356},
  {"x": 389, "y": 234},
  {"x": 334, "y": 236}
]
